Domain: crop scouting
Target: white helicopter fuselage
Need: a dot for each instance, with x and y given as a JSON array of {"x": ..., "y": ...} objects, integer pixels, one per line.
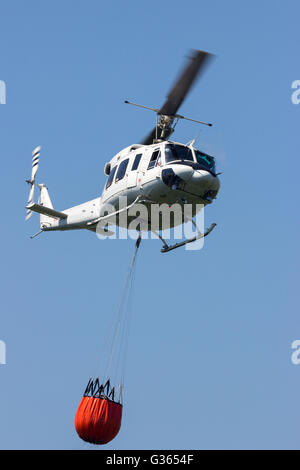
[{"x": 151, "y": 173}]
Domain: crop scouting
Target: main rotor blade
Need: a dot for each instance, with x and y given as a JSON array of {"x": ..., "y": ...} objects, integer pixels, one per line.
[
  {"x": 150, "y": 137},
  {"x": 197, "y": 63}
]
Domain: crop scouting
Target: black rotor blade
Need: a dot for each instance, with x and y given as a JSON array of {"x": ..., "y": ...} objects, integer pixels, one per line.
[
  {"x": 197, "y": 63},
  {"x": 150, "y": 137}
]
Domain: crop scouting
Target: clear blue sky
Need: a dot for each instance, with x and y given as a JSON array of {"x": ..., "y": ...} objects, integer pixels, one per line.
[{"x": 209, "y": 361}]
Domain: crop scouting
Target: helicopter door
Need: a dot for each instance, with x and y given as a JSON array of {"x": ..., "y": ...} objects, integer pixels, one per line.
[
  {"x": 133, "y": 173},
  {"x": 150, "y": 164}
]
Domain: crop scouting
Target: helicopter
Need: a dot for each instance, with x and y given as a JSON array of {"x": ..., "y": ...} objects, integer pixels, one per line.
[{"x": 156, "y": 171}]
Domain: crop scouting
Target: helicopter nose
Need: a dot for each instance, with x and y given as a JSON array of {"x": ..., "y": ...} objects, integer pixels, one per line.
[
  {"x": 196, "y": 181},
  {"x": 205, "y": 183},
  {"x": 206, "y": 179},
  {"x": 176, "y": 176},
  {"x": 183, "y": 172}
]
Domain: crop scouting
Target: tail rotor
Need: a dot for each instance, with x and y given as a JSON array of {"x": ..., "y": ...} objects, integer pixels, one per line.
[{"x": 35, "y": 165}]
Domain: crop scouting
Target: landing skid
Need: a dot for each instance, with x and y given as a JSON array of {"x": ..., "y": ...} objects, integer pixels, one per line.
[{"x": 199, "y": 235}]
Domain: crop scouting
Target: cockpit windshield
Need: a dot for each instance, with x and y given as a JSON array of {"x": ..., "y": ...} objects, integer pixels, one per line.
[
  {"x": 206, "y": 161},
  {"x": 175, "y": 152}
]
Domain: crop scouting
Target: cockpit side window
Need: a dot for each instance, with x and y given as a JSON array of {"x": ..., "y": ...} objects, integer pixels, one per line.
[
  {"x": 155, "y": 157},
  {"x": 122, "y": 170},
  {"x": 111, "y": 177},
  {"x": 177, "y": 152}
]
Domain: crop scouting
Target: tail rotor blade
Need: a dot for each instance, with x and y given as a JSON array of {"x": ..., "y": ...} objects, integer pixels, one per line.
[
  {"x": 28, "y": 214},
  {"x": 30, "y": 201},
  {"x": 31, "y": 194},
  {"x": 35, "y": 162}
]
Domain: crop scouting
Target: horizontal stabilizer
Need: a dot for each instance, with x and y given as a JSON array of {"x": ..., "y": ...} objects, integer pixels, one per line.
[{"x": 46, "y": 211}]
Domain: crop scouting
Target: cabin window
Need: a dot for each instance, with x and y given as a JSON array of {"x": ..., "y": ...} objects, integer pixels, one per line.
[
  {"x": 111, "y": 177},
  {"x": 136, "y": 162},
  {"x": 122, "y": 169},
  {"x": 154, "y": 159}
]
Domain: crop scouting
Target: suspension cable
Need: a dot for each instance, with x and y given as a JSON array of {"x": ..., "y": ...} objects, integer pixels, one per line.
[{"x": 118, "y": 349}]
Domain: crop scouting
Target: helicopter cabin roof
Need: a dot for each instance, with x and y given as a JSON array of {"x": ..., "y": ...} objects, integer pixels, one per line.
[{"x": 126, "y": 151}]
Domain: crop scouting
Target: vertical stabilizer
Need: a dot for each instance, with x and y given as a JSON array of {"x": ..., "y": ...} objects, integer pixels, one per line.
[{"x": 44, "y": 200}]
